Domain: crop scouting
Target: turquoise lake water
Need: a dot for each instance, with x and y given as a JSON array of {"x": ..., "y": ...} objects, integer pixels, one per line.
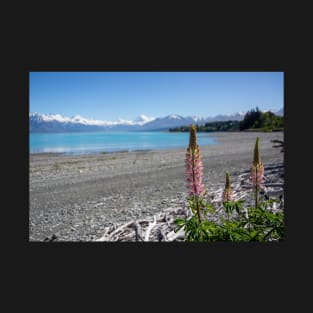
[{"x": 86, "y": 143}]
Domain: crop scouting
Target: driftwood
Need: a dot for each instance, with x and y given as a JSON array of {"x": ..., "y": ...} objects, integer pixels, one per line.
[
  {"x": 151, "y": 225},
  {"x": 106, "y": 237},
  {"x": 171, "y": 236},
  {"x": 146, "y": 230}
]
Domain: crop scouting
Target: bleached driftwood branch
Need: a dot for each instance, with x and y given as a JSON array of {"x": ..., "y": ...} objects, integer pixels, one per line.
[
  {"x": 151, "y": 225},
  {"x": 107, "y": 237},
  {"x": 171, "y": 236},
  {"x": 142, "y": 230}
]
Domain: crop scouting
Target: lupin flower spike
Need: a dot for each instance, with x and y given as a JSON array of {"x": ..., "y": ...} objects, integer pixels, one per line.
[
  {"x": 193, "y": 138},
  {"x": 228, "y": 192},
  {"x": 257, "y": 168},
  {"x": 194, "y": 166}
]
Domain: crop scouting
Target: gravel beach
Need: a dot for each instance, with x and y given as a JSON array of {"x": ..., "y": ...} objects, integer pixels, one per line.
[{"x": 74, "y": 197}]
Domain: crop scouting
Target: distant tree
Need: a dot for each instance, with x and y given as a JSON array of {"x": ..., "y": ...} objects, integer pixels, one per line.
[
  {"x": 257, "y": 119},
  {"x": 251, "y": 119}
]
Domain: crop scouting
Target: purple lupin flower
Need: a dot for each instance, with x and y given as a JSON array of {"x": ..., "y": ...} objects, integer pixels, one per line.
[{"x": 194, "y": 166}]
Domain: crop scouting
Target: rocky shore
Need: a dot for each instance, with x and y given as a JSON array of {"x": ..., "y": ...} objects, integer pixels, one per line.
[{"x": 79, "y": 197}]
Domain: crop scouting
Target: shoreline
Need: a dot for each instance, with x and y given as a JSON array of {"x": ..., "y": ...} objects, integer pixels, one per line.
[
  {"x": 43, "y": 154},
  {"x": 77, "y": 196},
  {"x": 57, "y": 154}
]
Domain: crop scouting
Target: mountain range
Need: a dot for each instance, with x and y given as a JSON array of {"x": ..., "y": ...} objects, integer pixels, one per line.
[{"x": 58, "y": 123}]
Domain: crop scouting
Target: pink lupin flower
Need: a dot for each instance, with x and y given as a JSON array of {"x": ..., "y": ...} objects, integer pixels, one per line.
[
  {"x": 257, "y": 176},
  {"x": 194, "y": 166}
]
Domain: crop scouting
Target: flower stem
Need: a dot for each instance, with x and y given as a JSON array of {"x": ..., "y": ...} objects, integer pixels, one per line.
[
  {"x": 198, "y": 210},
  {"x": 256, "y": 191}
]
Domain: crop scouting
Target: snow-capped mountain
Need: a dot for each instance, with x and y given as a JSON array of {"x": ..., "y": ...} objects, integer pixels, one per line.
[
  {"x": 175, "y": 120},
  {"x": 143, "y": 119},
  {"x": 58, "y": 123},
  {"x": 77, "y": 119}
]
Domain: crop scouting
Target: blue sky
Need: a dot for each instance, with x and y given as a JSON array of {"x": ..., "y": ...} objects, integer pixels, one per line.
[{"x": 113, "y": 95}]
